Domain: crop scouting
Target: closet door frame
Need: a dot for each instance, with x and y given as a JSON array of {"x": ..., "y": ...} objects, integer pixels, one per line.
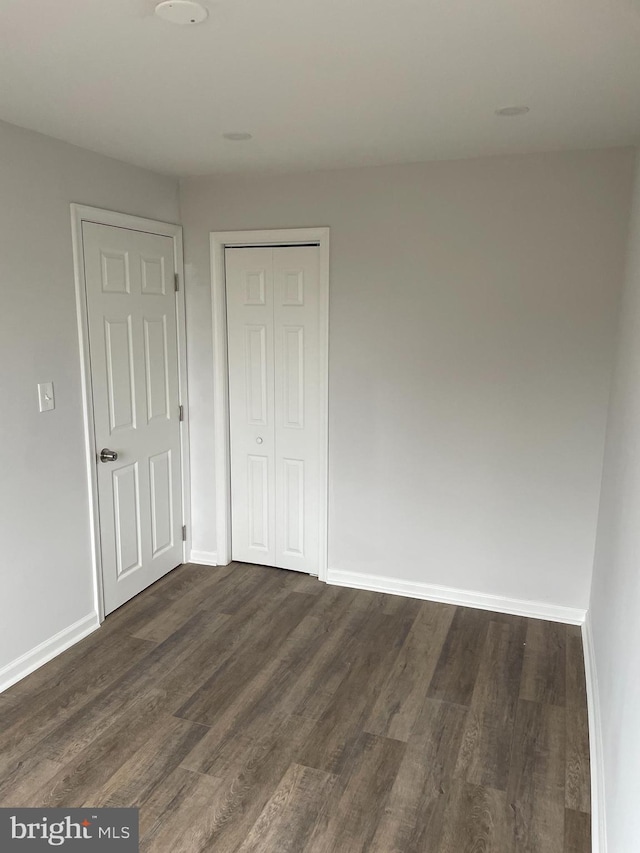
[{"x": 219, "y": 241}]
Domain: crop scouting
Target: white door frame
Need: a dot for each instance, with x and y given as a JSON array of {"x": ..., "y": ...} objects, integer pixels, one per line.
[
  {"x": 222, "y": 457},
  {"x": 79, "y": 214}
]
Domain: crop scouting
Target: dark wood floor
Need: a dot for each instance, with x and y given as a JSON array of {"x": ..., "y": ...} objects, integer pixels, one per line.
[{"x": 251, "y": 709}]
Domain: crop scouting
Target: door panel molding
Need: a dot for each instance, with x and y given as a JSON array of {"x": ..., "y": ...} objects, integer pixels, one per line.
[
  {"x": 155, "y": 279},
  {"x": 219, "y": 241}
]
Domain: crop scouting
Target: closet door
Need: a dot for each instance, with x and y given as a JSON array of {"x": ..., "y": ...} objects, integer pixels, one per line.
[
  {"x": 272, "y": 322},
  {"x": 249, "y": 277},
  {"x": 295, "y": 280}
]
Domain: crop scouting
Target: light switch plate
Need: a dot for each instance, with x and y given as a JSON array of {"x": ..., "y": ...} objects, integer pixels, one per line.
[{"x": 46, "y": 398}]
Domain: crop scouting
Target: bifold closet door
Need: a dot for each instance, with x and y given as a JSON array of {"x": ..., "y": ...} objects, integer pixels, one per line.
[
  {"x": 250, "y": 321},
  {"x": 272, "y": 323}
]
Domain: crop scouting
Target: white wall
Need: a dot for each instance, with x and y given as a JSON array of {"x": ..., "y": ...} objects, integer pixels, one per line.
[
  {"x": 473, "y": 309},
  {"x": 615, "y": 595},
  {"x": 46, "y": 577}
]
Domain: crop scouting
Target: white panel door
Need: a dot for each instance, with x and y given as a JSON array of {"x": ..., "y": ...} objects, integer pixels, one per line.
[
  {"x": 131, "y": 309},
  {"x": 249, "y": 275},
  {"x": 297, "y": 383},
  {"x": 273, "y": 324}
]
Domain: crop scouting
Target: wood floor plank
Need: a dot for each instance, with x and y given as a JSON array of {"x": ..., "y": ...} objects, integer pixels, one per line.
[
  {"x": 340, "y": 725},
  {"x": 79, "y": 782},
  {"x": 179, "y": 604},
  {"x": 455, "y": 674},
  {"x": 29, "y": 723},
  {"x": 358, "y": 798},
  {"x": 308, "y": 584},
  {"x": 576, "y": 688},
  {"x": 317, "y": 687},
  {"x": 182, "y": 579},
  {"x": 158, "y": 598},
  {"x": 485, "y": 753},
  {"x": 129, "y": 618},
  {"x": 169, "y": 742},
  {"x": 203, "y": 663},
  {"x": 398, "y": 605},
  {"x": 222, "y": 591},
  {"x": 251, "y": 777},
  {"x": 476, "y": 818},
  {"x": 87, "y": 723},
  {"x": 249, "y": 582},
  {"x": 68, "y": 735},
  {"x": 369, "y": 601},
  {"x": 235, "y": 755},
  {"x": 220, "y": 690},
  {"x": 544, "y": 667},
  {"x": 391, "y": 605},
  {"x": 288, "y": 819},
  {"x": 402, "y": 696},
  {"x": 538, "y": 757},
  {"x": 536, "y": 781},
  {"x": 578, "y": 767},
  {"x": 252, "y": 615},
  {"x": 282, "y": 687},
  {"x": 64, "y": 686},
  {"x": 179, "y": 817},
  {"x": 281, "y": 684},
  {"x": 577, "y": 832},
  {"x": 413, "y": 817},
  {"x": 23, "y": 788},
  {"x": 236, "y": 720}
]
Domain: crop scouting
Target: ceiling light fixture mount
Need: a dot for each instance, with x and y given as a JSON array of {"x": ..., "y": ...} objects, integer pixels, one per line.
[
  {"x": 182, "y": 12},
  {"x": 237, "y": 136},
  {"x": 512, "y": 111}
]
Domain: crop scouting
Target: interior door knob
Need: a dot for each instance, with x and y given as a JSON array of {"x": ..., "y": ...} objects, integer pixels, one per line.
[
  {"x": 107, "y": 455},
  {"x": 258, "y": 440}
]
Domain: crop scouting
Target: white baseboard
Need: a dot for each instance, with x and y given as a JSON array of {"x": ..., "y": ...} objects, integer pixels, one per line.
[
  {"x": 204, "y": 558},
  {"x": 596, "y": 749},
  {"x": 450, "y": 595},
  {"x": 43, "y": 653}
]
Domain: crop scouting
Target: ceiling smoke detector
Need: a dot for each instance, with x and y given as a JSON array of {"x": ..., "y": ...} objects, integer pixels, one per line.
[
  {"x": 181, "y": 12},
  {"x": 512, "y": 111}
]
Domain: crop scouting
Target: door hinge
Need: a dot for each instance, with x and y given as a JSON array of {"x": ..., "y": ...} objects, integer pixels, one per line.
[
  {"x": 181, "y": 412},
  {"x": 176, "y": 281},
  {"x": 184, "y": 532}
]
